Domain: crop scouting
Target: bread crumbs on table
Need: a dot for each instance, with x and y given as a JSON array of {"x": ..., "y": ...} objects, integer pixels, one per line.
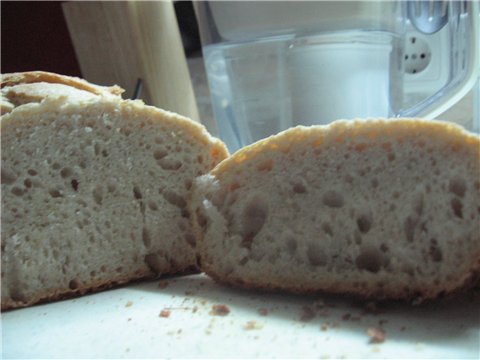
[
  {"x": 263, "y": 311},
  {"x": 219, "y": 310},
  {"x": 162, "y": 284},
  {"x": 376, "y": 335},
  {"x": 165, "y": 313},
  {"x": 324, "y": 327},
  {"x": 129, "y": 303},
  {"x": 252, "y": 325},
  {"x": 307, "y": 313},
  {"x": 194, "y": 309}
]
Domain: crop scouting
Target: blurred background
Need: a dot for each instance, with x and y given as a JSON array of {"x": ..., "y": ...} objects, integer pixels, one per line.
[{"x": 71, "y": 38}]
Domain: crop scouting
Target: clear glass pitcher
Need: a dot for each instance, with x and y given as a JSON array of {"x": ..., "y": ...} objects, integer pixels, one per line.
[{"x": 273, "y": 65}]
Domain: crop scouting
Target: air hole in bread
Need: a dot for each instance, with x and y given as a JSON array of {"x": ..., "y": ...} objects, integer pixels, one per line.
[
  {"x": 119, "y": 269},
  {"x": 137, "y": 194},
  {"x": 98, "y": 195},
  {"x": 8, "y": 176},
  {"x": 152, "y": 206},
  {"x": 28, "y": 183},
  {"x": 434, "y": 251},
  {"x": 266, "y": 165},
  {"x": 55, "y": 193},
  {"x": 200, "y": 159},
  {"x": 190, "y": 239},
  {"x": 188, "y": 184},
  {"x": 333, "y": 199},
  {"x": 457, "y": 207},
  {"x": 160, "y": 154},
  {"x": 315, "y": 254},
  {"x": 409, "y": 228},
  {"x": 201, "y": 218},
  {"x": 299, "y": 186},
  {"x": 391, "y": 156},
  {"x": 174, "y": 199},
  {"x": 457, "y": 186},
  {"x": 73, "y": 284},
  {"x": 364, "y": 223},
  {"x": 104, "y": 153},
  {"x": 384, "y": 248},
  {"x": 169, "y": 164},
  {"x": 66, "y": 172},
  {"x": 369, "y": 259},
  {"x": 55, "y": 166},
  {"x": 74, "y": 184},
  {"x": 96, "y": 149},
  {"x": 253, "y": 218},
  {"x": 327, "y": 229},
  {"x": 374, "y": 183},
  {"x": 348, "y": 179}
]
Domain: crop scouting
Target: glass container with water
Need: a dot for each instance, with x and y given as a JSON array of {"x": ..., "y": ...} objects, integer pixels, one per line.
[{"x": 273, "y": 65}]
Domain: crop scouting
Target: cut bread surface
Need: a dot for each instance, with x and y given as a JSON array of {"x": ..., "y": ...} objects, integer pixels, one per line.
[
  {"x": 376, "y": 208},
  {"x": 94, "y": 190}
]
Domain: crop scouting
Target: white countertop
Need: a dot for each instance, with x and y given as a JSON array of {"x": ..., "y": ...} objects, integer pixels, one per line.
[{"x": 126, "y": 323}]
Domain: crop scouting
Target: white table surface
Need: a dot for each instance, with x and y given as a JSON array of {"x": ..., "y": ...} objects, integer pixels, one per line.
[{"x": 126, "y": 323}]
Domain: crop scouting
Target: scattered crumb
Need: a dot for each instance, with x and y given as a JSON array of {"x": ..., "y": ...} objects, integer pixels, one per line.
[
  {"x": 252, "y": 325},
  {"x": 203, "y": 302},
  {"x": 189, "y": 293},
  {"x": 127, "y": 350},
  {"x": 371, "y": 308},
  {"x": 346, "y": 317},
  {"x": 323, "y": 313},
  {"x": 319, "y": 304},
  {"x": 375, "y": 349},
  {"x": 129, "y": 303},
  {"x": 129, "y": 319},
  {"x": 324, "y": 327},
  {"x": 376, "y": 335},
  {"x": 194, "y": 309},
  {"x": 307, "y": 313},
  {"x": 179, "y": 331},
  {"x": 263, "y": 311},
  {"x": 382, "y": 322},
  {"x": 220, "y": 310},
  {"x": 165, "y": 313},
  {"x": 162, "y": 284}
]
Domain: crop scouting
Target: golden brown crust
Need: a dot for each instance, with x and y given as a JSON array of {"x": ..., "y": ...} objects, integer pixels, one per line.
[
  {"x": 340, "y": 130},
  {"x": 47, "y": 77}
]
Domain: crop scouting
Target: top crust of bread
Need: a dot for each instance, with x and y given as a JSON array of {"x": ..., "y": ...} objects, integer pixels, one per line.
[{"x": 341, "y": 130}]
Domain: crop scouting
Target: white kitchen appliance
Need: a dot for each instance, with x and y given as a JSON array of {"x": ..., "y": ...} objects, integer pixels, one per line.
[{"x": 272, "y": 65}]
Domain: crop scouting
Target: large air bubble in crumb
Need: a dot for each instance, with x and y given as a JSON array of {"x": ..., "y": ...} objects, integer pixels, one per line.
[{"x": 253, "y": 218}]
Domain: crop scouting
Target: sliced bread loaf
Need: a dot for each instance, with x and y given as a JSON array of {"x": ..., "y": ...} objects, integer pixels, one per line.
[
  {"x": 382, "y": 209},
  {"x": 94, "y": 188}
]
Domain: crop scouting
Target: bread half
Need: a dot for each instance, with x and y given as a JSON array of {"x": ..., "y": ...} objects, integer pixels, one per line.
[
  {"x": 94, "y": 188},
  {"x": 382, "y": 209}
]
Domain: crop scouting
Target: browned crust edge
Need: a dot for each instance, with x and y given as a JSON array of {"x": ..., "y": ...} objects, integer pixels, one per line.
[
  {"x": 64, "y": 294},
  {"x": 48, "y": 77}
]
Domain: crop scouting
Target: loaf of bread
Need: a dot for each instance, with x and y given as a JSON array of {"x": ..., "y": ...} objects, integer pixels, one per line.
[
  {"x": 381, "y": 209},
  {"x": 94, "y": 188}
]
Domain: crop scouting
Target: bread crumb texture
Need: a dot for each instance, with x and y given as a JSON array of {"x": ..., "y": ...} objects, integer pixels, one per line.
[
  {"x": 94, "y": 191},
  {"x": 380, "y": 208}
]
